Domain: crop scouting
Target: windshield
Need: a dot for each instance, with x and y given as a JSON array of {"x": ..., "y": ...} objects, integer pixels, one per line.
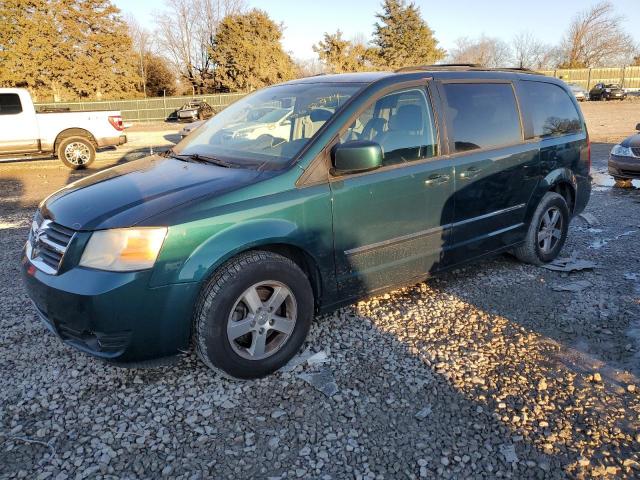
[{"x": 269, "y": 127}]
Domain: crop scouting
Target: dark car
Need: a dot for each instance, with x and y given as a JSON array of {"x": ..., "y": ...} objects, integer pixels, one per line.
[
  {"x": 610, "y": 91},
  {"x": 624, "y": 160},
  {"x": 195, "y": 110},
  {"x": 382, "y": 179}
]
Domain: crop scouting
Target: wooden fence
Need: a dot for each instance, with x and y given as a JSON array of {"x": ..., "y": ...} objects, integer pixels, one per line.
[{"x": 628, "y": 77}]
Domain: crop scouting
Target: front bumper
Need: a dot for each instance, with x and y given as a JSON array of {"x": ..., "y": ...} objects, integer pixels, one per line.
[
  {"x": 624, "y": 167},
  {"x": 112, "y": 315}
]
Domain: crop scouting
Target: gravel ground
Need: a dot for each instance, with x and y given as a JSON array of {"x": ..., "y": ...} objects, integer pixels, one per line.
[{"x": 487, "y": 371}]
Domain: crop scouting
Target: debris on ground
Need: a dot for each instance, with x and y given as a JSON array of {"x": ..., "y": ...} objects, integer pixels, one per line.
[
  {"x": 574, "y": 287},
  {"x": 570, "y": 264},
  {"x": 508, "y": 451},
  {"x": 590, "y": 218},
  {"x": 424, "y": 413},
  {"x": 322, "y": 380}
]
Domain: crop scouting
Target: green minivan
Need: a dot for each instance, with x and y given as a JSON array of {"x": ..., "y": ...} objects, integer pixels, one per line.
[{"x": 303, "y": 197}]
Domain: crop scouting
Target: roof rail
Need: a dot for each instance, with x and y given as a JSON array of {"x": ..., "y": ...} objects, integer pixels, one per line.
[{"x": 465, "y": 67}]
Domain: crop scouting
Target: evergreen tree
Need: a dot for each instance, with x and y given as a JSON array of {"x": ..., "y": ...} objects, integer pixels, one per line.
[
  {"x": 340, "y": 55},
  {"x": 247, "y": 53},
  {"x": 403, "y": 37},
  {"x": 160, "y": 78},
  {"x": 66, "y": 49}
]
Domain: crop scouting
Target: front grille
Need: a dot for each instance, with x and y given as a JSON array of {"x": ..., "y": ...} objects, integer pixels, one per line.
[
  {"x": 48, "y": 242},
  {"x": 630, "y": 173},
  {"x": 636, "y": 151}
]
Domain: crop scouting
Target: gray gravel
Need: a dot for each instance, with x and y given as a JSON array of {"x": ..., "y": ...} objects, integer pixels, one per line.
[{"x": 488, "y": 371}]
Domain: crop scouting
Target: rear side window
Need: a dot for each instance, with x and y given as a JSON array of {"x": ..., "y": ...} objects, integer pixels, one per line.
[
  {"x": 10, "y": 104},
  {"x": 481, "y": 115},
  {"x": 549, "y": 110}
]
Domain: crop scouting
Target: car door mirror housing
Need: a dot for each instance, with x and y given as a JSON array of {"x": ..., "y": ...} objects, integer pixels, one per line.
[{"x": 355, "y": 157}]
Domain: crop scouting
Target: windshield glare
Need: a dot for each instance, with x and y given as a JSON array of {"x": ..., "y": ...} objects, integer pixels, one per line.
[{"x": 269, "y": 127}]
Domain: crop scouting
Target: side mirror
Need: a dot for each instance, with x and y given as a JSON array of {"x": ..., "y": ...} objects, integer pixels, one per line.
[
  {"x": 355, "y": 157},
  {"x": 638, "y": 127}
]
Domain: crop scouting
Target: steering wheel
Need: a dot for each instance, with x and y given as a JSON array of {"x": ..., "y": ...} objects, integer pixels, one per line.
[{"x": 272, "y": 141}]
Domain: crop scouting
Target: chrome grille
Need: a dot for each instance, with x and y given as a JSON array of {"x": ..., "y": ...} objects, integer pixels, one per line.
[
  {"x": 636, "y": 151},
  {"x": 47, "y": 244}
]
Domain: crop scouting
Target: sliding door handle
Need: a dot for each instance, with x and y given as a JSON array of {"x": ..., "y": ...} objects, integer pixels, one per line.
[
  {"x": 437, "y": 179},
  {"x": 471, "y": 172}
]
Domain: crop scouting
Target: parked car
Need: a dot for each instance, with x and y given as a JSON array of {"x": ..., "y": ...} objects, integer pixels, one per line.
[
  {"x": 382, "y": 179},
  {"x": 187, "y": 129},
  {"x": 610, "y": 91},
  {"x": 580, "y": 93},
  {"x": 195, "y": 110},
  {"x": 71, "y": 136},
  {"x": 275, "y": 122},
  {"x": 624, "y": 160}
]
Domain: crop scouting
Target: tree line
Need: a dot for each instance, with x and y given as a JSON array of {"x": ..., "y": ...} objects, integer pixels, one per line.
[{"x": 81, "y": 49}]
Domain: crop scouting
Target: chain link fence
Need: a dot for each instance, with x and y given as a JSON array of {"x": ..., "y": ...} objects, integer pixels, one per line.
[
  {"x": 162, "y": 108},
  {"x": 145, "y": 109}
]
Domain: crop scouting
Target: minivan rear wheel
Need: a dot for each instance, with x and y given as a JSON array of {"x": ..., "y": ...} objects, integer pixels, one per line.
[
  {"x": 253, "y": 315},
  {"x": 547, "y": 231}
]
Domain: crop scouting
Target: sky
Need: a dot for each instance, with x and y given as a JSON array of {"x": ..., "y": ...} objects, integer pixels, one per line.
[{"x": 305, "y": 21}]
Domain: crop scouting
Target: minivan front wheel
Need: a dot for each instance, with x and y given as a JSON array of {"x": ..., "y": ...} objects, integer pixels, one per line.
[
  {"x": 547, "y": 231},
  {"x": 253, "y": 315}
]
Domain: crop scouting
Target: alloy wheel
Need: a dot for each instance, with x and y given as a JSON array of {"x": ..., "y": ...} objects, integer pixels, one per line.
[
  {"x": 550, "y": 230},
  {"x": 77, "y": 153},
  {"x": 262, "y": 320}
]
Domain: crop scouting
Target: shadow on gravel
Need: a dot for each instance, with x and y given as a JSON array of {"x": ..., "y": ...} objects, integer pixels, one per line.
[{"x": 512, "y": 385}]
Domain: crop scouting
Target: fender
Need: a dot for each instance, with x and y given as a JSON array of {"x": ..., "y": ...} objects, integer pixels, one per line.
[
  {"x": 549, "y": 182},
  {"x": 235, "y": 238}
]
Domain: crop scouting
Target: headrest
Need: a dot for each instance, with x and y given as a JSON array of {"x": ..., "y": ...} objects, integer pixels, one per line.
[{"x": 407, "y": 118}]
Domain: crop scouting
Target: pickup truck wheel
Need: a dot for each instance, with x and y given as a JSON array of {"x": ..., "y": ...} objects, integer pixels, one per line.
[
  {"x": 253, "y": 315},
  {"x": 76, "y": 152},
  {"x": 547, "y": 231}
]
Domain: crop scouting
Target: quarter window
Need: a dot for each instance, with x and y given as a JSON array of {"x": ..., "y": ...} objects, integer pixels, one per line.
[
  {"x": 402, "y": 123},
  {"x": 481, "y": 115},
  {"x": 549, "y": 109},
  {"x": 10, "y": 104}
]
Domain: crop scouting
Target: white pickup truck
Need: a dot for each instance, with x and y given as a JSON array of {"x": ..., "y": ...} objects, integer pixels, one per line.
[{"x": 71, "y": 136}]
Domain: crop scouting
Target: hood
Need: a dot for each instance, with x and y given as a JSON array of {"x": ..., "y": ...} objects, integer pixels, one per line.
[
  {"x": 127, "y": 194},
  {"x": 633, "y": 141}
]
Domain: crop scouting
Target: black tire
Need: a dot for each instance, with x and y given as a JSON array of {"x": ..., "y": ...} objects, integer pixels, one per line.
[
  {"x": 225, "y": 289},
  {"x": 84, "y": 159},
  {"x": 531, "y": 251}
]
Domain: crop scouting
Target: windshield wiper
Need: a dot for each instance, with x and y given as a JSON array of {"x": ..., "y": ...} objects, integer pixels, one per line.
[{"x": 201, "y": 158}]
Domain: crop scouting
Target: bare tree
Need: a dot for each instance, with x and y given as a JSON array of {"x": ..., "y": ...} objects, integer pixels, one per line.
[
  {"x": 529, "y": 52},
  {"x": 142, "y": 43},
  {"x": 186, "y": 30},
  {"x": 596, "y": 38},
  {"x": 484, "y": 51}
]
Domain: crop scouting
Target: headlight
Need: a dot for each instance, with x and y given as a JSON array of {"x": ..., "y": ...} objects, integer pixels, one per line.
[
  {"x": 608, "y": 90},
  {"x": 621, "y": 151},
  {"x": 123, "y": 249}
]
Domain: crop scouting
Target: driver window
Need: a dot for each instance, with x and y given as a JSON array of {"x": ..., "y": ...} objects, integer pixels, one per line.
[{"x": 402, "y": 123}]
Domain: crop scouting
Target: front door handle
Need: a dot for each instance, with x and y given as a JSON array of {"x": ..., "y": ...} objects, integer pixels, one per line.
[
  {"x": 436, "y": 179},
  {"x": 471, "y": 172}
]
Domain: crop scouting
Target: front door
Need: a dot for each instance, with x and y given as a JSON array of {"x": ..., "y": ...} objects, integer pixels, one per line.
[
  {"x": 496, "y": 170},
  {"x": 388, "y": 222}
]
